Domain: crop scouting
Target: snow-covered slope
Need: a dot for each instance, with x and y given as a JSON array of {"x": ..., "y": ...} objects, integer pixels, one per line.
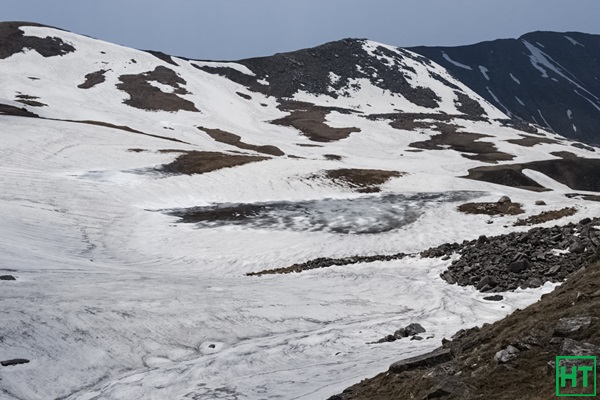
[{"x": 115, "y": 299}]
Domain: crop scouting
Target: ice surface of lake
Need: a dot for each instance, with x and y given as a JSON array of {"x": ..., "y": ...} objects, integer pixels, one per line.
[{"x": 361, "y": 215}]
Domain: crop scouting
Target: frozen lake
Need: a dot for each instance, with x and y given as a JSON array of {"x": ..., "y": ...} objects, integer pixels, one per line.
[{"x": 360, "y": 215}]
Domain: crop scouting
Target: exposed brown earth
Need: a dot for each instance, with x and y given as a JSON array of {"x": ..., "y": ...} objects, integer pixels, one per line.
[
  {"x": 308, "y": 145},
  {"x": 200, "y": 162},
  {"x": 576, "y": 173},
  {"x": 147, "y": 97},
  {"x": 332, "y": 157},
  {"x": 510, "y": 359},
  {"x": 6, "y": 109},
  {"x": 546, "y": 216},
  {"x": 588, "y": 197},
  {"x": 244, "y": 96},
  {"x": 235, "y": 140},
  {"x": 507, "y": 175},
  {"x": 504, "y": 208},
  {"x": 92, "y": 79},
  {"x": 310, "y": 120},
  {"x": 13, "y": 41},
  {"x": 463, "y": 142},
  {"x": 362, "y": 180},
  {"x": 530, "y": 141},
  {"x": 30, "y": 100},
  {"x": 565, "y": 154}
]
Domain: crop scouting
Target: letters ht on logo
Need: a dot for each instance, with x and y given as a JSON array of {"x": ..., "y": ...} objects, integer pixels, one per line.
[{"x": 576, "y": 376}]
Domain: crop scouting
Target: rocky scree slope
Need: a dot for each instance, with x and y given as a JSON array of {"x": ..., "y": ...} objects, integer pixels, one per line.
[{"x": 513, "y": 358}]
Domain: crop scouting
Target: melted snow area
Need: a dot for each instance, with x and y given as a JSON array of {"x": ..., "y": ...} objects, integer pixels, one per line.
[{"x": 116, "y": 300}]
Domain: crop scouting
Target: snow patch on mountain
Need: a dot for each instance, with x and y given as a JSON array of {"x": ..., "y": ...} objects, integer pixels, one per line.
[{"x": 451, "y": 61}]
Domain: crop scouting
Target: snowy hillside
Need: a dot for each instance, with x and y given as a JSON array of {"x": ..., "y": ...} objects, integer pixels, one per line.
[{"x": 138, "y": 190}]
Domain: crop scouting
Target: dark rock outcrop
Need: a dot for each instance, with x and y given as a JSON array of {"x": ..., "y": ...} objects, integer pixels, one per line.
[
  {"x": 15, "y": 361},
  {"x": 436, "y": 357}
]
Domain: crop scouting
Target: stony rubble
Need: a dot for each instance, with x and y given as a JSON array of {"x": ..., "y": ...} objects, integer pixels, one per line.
[{"x": 526, "y": 259}]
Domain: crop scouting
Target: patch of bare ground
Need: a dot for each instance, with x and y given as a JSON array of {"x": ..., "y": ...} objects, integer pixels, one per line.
[
  {"x": 29, "y": 100},
  {"x": 567, "y": 155},
  {"x": 449, "y": 137},
  {"x": 332, "y": 157},
  {"x": 310, "y": 120},
  {"x": 200, "y": 162},
  {"x": 513, "y": 358},
  {"x": 577, "y": 173},
  {"x": 6, "y": 109},
  {"x": 507, "y": 175},
  {"x": 498, "y": 208},
  {"x": 235, "y": 140},
  {"x": 308, "y": 145},
  {"x": 147, "y": 97},
  {"x": 13, "y": 41},
  {"x": 92, "y": 79},
  {"x": 521, "y": 126},
  {"x": 244, "y": 96},
  {"x": 463, "y": 142},
  {"x": 361, "y": 180},
  {"x": 546, "y": 216},
  {"x": 530, "y": 141},
  {"x": 588, "y": 197},
  {"x": 162, "y": 56}
]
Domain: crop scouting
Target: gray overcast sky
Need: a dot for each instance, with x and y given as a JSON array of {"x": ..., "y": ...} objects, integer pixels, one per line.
[{"x": 234, "y": 29}]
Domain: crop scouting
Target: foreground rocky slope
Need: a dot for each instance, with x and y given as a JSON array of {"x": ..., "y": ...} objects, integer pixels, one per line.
[{"x": 509, "y": 359}]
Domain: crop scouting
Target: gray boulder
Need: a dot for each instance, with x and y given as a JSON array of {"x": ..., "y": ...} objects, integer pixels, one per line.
[
  {"x": 414, "y": 329},
  {"x": 438, "y": 356},
  {"x": 570, "y": 325}
]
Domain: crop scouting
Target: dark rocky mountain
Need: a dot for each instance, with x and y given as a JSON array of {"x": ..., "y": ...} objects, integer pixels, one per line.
[{"x": 548, "y": 78}]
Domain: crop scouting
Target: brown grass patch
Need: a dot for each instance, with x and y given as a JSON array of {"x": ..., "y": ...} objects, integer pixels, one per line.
[
  {"x": 576, "y": 173},
  {"x": 588, "y": 197},
  {"x": 29, "y": 100},
  {"x": 5, "y": 109},
  {"x": 235, "y": 140},
  {"x": 13, "y": 41},
  {"x": 530, "y": 141},
  {"x": 546, "y": 216},
  {"x": 567, "y": 155},
  {"x": 508, "y": 208},
  {"x": 362, "y": 180},
  {"x": 310, "y": 120},
  {"x": 92, "y": 79},
  {"x": 308, "y": 145},
  {"x": 463, "y": 142},
  {"x": 200, "y": 162},
  {"x": 147, "y": 97}
]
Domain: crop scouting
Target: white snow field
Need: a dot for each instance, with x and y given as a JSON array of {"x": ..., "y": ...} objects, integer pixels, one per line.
[{"x": 114, "y": 299}]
